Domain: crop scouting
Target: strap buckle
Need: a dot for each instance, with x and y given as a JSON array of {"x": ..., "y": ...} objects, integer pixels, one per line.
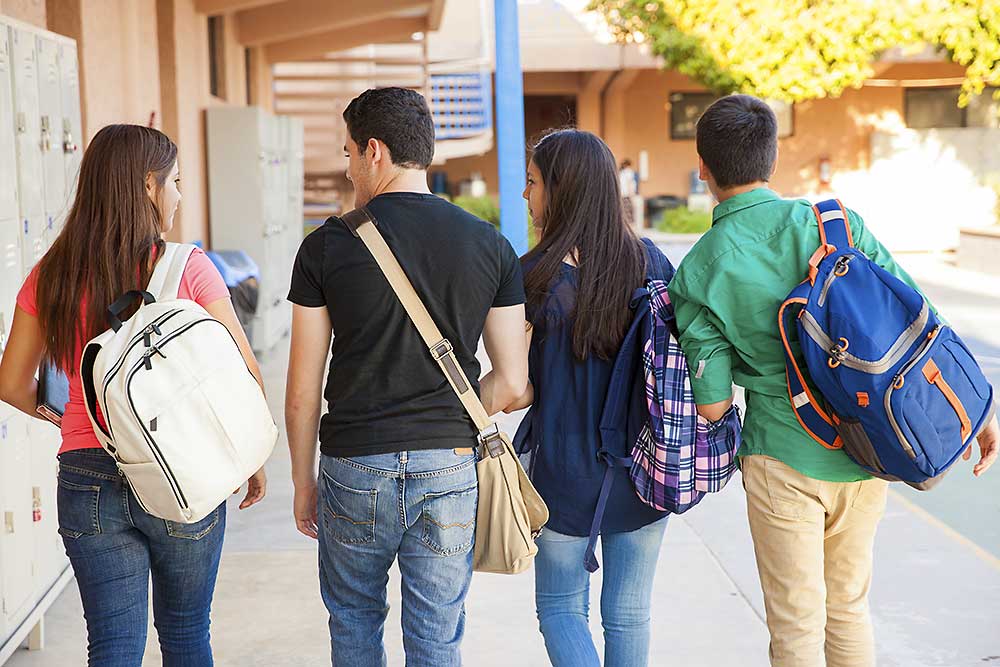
[
  {"x": 442, "y": 349},
  {"x": 491, "y": 440}
]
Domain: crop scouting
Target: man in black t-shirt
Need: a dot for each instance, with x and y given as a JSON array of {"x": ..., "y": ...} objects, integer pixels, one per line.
[{"x": 397, "y": 473}]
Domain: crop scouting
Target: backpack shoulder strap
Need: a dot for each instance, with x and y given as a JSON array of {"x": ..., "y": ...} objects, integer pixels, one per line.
[
  {"x": 166, "y": 279},
  {"x": 834, "y": 227},
  {"x": 809, "y": 412},
  {"x": 362, "y": 224}
]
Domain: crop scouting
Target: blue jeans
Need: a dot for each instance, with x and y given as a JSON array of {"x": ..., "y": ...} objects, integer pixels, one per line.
[
  {"x": 114, "y": 547},
  {"x": 419, "y": 506},
  {"x": 562, "y": 596}
]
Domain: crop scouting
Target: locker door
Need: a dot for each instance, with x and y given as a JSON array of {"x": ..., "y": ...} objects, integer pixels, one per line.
[
  {"x": 27, "y": 124},
  {"x": 8, "y": 152},
  {"x": 72, "y": 128},
  {"x": 50, "y": 122},
  {"x": 16, "y": 535},
  {"x": 10, "y": 275},
  {"x": 50, "y": 556},
  {"x": 33, "y": 238}
]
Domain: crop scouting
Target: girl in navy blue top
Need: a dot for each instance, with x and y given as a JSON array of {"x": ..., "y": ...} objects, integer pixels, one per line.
[{"x": 579, "y": 281}]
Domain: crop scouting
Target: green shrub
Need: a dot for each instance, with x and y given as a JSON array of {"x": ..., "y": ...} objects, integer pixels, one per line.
[
  {"x": 683, "y": 220},
  {"x": 485, "y": 208}
]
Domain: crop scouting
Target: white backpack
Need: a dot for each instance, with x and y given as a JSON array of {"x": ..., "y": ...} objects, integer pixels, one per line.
[{"x": 186, "y": 421}]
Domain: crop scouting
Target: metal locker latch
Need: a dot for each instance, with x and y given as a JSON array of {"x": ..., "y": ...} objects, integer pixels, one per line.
[
  {"x": 22, "y": 122},
  {"x": 36, "y": 504},
  {"x": 46, "y": 135},
  {"x": 8, "y": 522},
  {"x": 69, "y": 145}
]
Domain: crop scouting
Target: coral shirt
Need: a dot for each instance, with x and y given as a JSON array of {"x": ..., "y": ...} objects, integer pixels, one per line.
[{"x": 201, "y": 283}]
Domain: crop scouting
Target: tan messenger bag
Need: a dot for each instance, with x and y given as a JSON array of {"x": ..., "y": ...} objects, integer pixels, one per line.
[{"x": 510, "y": 514}]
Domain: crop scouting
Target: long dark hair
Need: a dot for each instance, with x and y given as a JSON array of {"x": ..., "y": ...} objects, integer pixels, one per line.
[
  {"x": 104, "y": 249},
  {"x": 584, "y": 218}
]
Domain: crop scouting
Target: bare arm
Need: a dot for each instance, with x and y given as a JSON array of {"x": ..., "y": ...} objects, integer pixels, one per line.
[
  {"x": 503, "y": 336},
  {"x": 713, "y": 412},
  {"x": 311, "y": 335},
  {"x": 528, "y": 397},
  {"x": 20, "y": 361}
]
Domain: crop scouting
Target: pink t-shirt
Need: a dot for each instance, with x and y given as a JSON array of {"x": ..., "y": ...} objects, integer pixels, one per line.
[{"x": 201, "y": 283}]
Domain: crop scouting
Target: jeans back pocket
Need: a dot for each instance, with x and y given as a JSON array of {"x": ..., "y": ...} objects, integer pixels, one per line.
[
  {"x": 348, "y": 514},
  {"x": 449, "y": 520},
  {"x": 78, "y": 507}
]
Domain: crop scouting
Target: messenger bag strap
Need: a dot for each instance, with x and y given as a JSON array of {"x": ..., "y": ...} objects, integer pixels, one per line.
[{"x": 364, "y": 226}]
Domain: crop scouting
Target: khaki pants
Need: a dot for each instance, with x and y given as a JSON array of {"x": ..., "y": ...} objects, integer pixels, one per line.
[{"x": 813, "y": 541}]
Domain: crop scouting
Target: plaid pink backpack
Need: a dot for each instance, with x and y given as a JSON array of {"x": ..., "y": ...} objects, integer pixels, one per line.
[{"x": 678, "y": 457}]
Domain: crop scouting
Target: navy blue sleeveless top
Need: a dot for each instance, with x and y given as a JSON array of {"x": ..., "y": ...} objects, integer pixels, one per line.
[{"x": 562, "y": 427}]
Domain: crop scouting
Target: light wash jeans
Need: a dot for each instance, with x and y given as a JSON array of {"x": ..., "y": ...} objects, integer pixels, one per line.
[
  {"x": 114, "y": 546},
  {"x": 419, "y": 507},
  {"x": 562, "y": 596}
]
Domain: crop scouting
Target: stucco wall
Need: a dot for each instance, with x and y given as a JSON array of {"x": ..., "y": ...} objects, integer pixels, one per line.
[
  {"x": 119, "y": 63},
  {"x": 29, "y": 11}
]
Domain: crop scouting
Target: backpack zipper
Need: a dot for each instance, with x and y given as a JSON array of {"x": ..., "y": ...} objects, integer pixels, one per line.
[
  {"x": 925, "y": 348},
  {"x": 910, "y": 336},
  {"x": 158, "y": 455},
  {"x": 162, "y": 319},
  {"x": 839, "y": 266}
]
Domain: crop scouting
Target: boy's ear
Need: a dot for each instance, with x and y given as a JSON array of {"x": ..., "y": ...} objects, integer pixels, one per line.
[{"x": 703, "y": 172}]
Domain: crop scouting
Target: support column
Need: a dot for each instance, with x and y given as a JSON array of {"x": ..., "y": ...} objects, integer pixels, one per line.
[
  {"x": 589, "y": 113},
  {"x": 510, "y": 126},
  {"x": 615, "y": 113}
]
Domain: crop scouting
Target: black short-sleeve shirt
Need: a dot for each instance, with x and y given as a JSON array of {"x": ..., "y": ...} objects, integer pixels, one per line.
[{"x": 385, "y": 393}]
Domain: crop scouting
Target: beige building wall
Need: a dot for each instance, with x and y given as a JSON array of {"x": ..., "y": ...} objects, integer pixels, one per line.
[
  {"x": 631, "y": 111},
  {"x": 119, "y": 63},
  {"x": 147, "y": 62},
  {"x": 29, "y": 11},
  {"x": 185, "y": 89}
]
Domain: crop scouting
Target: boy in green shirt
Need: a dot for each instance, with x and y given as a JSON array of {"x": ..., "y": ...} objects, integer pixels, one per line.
[{"x": 813, "y": 512}]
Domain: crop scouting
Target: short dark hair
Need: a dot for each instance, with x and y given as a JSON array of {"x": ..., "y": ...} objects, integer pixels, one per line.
[
  {"x": 738, "y": 140},
  {"x": 399, "y": 118}
]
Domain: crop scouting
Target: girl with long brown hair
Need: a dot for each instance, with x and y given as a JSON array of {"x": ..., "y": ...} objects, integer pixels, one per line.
[
  {"x": 126, "y": 201},
  {"x": 580, "y": 281}
]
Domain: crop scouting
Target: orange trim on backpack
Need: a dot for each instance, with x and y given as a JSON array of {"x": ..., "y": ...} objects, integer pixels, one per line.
[
  {"x": 837, "y": 443},
  {"x": 933, "y": 375},
  {"x": 863, "y": 400},
  {"x": 821, "y": 253},
  {"x": 822, "y": 228}
]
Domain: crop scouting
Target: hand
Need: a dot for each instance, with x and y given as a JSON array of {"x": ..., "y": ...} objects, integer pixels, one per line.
[
  {"x": 989, "y": 447},
  {"x": 305, "y": 508},
  {"x": 256, "y": 489}
]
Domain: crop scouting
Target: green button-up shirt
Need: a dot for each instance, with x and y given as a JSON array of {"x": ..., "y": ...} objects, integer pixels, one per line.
[{"x": 726, "y": 296}]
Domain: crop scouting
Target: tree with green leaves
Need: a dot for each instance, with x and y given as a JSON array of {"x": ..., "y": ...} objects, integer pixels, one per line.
[{"x": 796, "y": 50}]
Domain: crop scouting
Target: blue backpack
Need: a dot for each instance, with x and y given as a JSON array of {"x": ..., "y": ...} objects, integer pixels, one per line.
[{"x": 901, "y": 394}]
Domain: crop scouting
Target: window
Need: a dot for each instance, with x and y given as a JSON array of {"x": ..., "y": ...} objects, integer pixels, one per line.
[
  {"x": 687, "y": 108},
  {"x": 938, "y": 107},
  {"x": 216, "y": 56}
]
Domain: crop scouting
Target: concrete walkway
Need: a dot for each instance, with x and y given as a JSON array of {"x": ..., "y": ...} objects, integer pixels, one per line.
[{"x": 935, "y": 597}]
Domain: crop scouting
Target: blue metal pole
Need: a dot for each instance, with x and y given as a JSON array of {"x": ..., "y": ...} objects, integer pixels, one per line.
[{"x": 510, "y": 126}]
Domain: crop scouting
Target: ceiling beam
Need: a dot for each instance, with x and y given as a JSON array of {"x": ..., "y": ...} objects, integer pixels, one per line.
[
  {"x": 312, "y": 46},
  {"x": 212, "y": 7},
  {"x": 296, "y": 18},
  {"x": 434, "y": 15}
]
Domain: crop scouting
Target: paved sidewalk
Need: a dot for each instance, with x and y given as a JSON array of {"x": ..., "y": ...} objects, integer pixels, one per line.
[{"x": 935, "y": 596}]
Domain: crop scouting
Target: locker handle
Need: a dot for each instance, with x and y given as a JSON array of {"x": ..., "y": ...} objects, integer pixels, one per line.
[{"x": 8, "y": 522}]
